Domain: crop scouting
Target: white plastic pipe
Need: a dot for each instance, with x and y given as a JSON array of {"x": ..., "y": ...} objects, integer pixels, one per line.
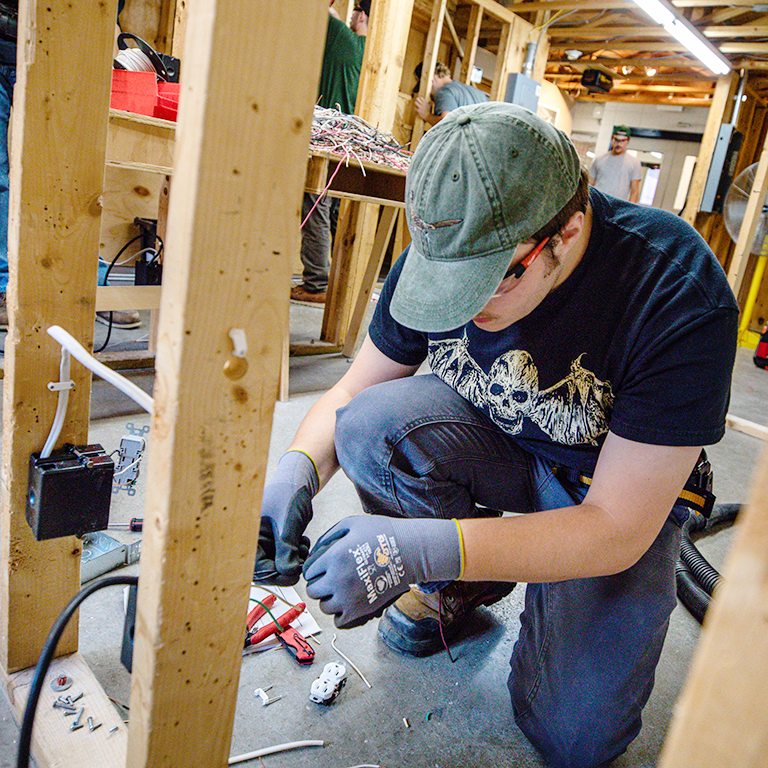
[
  {"x": 272, "y": 750},
  {"x": 79, "y": 352},
  {"x": 61, "y": 406}
]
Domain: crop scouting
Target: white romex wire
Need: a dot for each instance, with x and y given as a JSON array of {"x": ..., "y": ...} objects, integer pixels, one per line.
[
  {"x": 79, "y": 352},
  {"x": 134, "y": 60}
]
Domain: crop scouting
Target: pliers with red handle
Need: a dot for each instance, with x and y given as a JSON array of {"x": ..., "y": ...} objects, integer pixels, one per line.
[{"x": 292, "y": 640}]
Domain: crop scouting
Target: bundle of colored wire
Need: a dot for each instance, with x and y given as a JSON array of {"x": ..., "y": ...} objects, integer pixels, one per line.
[{"x": 351, "y": 136}]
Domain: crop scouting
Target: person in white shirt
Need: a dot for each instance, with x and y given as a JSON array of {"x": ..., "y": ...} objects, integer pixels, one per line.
[{"x": 617, "y": 173}]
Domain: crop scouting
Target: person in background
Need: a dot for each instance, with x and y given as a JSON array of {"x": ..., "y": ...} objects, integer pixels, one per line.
[
  {"x": 339, "y": 77},
  {"x": 616, "y": 172},
  {"x": 447, "y": 94},
  {"x": 563, "y": 328}
]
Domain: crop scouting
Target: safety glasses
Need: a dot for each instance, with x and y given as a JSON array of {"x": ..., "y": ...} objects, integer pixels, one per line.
[{"x": 519, "y": 268}]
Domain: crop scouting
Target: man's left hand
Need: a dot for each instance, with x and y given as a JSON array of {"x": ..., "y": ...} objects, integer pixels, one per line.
[{"x": 364, "y": 563}]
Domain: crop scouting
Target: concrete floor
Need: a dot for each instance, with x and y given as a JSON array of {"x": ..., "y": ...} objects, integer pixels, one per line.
[{"x": 458, "y": 714}]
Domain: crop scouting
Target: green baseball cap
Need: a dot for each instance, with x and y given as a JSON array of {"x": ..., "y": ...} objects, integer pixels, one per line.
[
  {"x": 621, "y": 130},
  {"x": 482, "y": 180}
]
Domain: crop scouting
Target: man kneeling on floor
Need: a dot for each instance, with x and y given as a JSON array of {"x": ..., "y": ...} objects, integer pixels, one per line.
[{"x": 581, "y": 350}]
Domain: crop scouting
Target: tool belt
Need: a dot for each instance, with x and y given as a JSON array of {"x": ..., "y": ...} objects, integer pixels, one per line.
[{"x": 697, "y": 492}]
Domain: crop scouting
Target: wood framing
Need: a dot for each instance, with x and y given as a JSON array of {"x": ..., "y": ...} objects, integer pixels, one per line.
[
  {"x": 377, "y": 103},
  {"x": 726, "y": 85},
  {"x": 722, "y": 716},
  {"x": 53, "y": 236},
  {"x": 749, "y": 225},
  {"x": 231, "y": 224}
]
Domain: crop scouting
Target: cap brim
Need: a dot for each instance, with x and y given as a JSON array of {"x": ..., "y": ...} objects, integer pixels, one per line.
[{"x": 435, "y": 296}]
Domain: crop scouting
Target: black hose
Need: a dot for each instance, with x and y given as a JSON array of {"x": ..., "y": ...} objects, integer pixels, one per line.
[
  {"x": 691, "y": 595},
  {"x": 707, "y": 576},
  {"x": 696, "y": 577}
]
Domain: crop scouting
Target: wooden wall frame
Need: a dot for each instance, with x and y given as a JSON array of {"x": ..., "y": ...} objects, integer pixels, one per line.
[{"x": 210, "y": 432}]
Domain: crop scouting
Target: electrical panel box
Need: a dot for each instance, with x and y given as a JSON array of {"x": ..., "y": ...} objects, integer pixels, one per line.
[
  {"x": 596, "y": 81},
  {"x": 523, "y": 91},
  {"x": 721, "y": 169},
  {"x": 69, "y": 491}
]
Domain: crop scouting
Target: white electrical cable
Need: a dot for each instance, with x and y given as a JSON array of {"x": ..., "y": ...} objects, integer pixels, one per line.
[
  {"x": 277, "y": 748},
  {"x": 61, "y": 406},
  {"x": 134, "y": 256},
  {"x": 79, "y": 352},
  {"x": 134, "y": 60}
]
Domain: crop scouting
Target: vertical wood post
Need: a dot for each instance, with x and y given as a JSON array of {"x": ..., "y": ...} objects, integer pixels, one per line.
[
  {"x": 377, "y": 103},
  {"x": 240, "y": 161},
  {"x": 470, "y": 44},
  {"x": 431, "y": 47},
  {"x": 722, "y": 716},
  {"x": 59, "y": 134},
  {"x": 720, "y": 102},
  {"x": 752, "y": 215}
]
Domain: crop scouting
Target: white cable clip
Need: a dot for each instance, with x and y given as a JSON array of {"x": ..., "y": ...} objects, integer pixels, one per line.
[
  {"x": 239, "y": 342},
  {"x": 58, "y": 386}
]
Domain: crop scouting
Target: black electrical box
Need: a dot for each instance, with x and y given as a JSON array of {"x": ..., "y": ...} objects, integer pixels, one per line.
[
  {"x": 69, "y": 491},
  {"x": 148, "y": 270},
  {"x": 596, "y": 81}
]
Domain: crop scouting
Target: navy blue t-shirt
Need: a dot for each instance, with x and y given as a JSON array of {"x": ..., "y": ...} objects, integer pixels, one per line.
[{"x": 639, "y": 339}]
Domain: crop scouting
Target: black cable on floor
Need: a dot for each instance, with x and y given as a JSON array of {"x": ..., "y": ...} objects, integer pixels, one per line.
[
  {"x": 46, "y": 656},
  {"x": 106, "y": 282}
]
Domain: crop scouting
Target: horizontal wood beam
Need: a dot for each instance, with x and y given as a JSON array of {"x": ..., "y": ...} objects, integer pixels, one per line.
[
  {"x": 598, "y": 5},
  {"x": 645, "y": 99},
  {"x": 637, "y": 62},
  {"x": 643, "y": 32},
  {"x": 54, "y": 744}
]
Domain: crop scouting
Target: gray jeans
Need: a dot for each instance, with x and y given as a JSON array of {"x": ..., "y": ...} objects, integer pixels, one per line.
[
  {"x": 316, "y": 241},
  {"x": 583, "y": 665}
]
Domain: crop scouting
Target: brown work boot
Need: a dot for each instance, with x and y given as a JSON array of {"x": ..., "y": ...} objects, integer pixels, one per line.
[
  {"x": 411, "y": 625},
  {"x": 3, "y": 313},
  {"x": 123, "y": 320},
  {"x": 300, "y": 293}
]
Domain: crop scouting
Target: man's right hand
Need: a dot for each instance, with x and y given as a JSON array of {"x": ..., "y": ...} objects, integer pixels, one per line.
[
  {"x": 423, "y": 107},
  {"x": 286, "y": 510}
]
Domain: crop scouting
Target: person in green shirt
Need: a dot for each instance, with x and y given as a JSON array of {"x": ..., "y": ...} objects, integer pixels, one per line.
[{"x": 339, "y": 77}]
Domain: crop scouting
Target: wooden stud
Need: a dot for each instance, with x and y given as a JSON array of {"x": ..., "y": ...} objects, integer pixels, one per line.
[
  {"x": 722, "y": 716},
  {"x": 470, "y": 51},
  {"x": 428, "y": 67},
  {"x": 233, "y": 219},
  {"x": 377, "y": 99},
  {"x": 720, "y": 103},
  {"x": 54, "y": 744},
  {"x": 752, "y": 216},
  {"x": 383, "y": 236},
  {"x": 53, "y": 237}
]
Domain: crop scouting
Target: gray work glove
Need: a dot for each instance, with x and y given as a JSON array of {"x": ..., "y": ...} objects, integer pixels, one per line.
[
  {"x": 364, "y": 563},
  {"x": 286, "y": 510}
]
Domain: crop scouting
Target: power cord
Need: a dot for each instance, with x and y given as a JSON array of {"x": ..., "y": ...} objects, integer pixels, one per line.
[
  {"x": 112, "y": 264},
  {"x": 46, "y": 656}
]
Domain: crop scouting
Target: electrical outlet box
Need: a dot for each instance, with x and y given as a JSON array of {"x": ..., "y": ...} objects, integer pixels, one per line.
[{"x": 69, "y": 491}]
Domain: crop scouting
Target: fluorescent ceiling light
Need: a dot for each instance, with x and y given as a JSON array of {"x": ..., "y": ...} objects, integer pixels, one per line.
[
  {"x": 664, "y": 13},
  {"x": 657, "y": 11}
]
